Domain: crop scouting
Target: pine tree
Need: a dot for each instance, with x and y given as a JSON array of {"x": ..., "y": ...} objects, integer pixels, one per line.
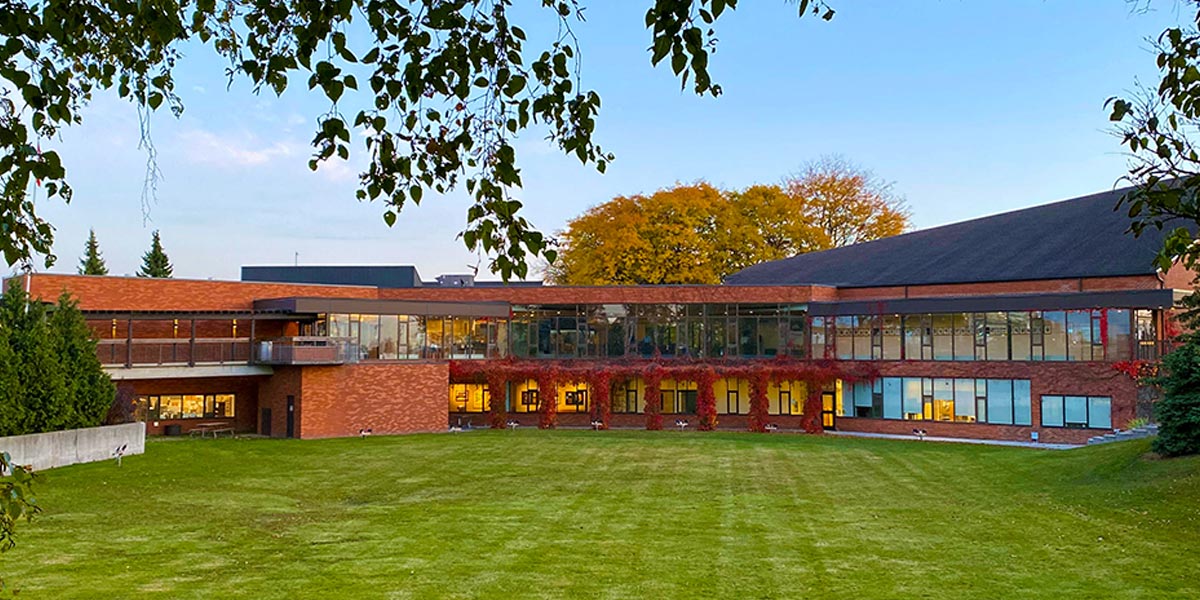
[
  {"x": 11, "y": 409},
  {"x": 90, "y": 390},
  {"x": 44, "y": 402},
  {"x": 92, "y": 262},
  {"x": 155, "y": 262},
  {"x": 1178, "y": 413}
]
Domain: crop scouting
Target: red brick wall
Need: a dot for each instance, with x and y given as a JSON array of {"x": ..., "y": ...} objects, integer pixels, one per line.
[
  {"x": 245, "y": 388},
  {"x": 386, "y": 397},
  {"x": 645, "y": 294},
  {"x": 273, "y": 394},
  {"x": 136, "y": 293},
  {"x": 131, "y": 293},
  {"x": 1179, "y": 278}
]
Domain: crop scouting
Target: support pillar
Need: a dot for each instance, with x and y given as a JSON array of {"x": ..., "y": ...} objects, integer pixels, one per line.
[{"x": 129, "y": 343}]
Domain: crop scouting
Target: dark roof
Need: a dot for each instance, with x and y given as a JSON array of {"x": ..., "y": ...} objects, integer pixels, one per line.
[
  {"x": 1082, "y": 237},
  {"x": 383, "y": 276}
]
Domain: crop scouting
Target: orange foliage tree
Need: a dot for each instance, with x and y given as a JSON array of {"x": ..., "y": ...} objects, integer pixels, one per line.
[{"x": 699, "y": 234}]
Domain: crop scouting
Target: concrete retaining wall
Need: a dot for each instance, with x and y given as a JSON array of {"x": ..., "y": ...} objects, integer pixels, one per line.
[{"x": 74, "y": 446}]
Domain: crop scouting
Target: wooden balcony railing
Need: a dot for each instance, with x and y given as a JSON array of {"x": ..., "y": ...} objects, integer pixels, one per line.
[{"x": 173, "y": 352}]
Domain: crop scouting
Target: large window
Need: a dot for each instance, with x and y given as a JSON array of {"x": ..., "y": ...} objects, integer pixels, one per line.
[
  {"x": 999, "y": 401},
  {"x": 187, "y": 406},
  {"x": 469, "y": 398},
  {"x": 1077, "y": 335},
  {"x": 1093, "y": 412}
]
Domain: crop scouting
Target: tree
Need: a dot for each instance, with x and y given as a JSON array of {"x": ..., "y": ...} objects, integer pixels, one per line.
[
  {"x": 776, "y": 225},
  {"x": 697, "y": 234},
  {"x": 447, "y": 85},
  {"x": 40, "y": 373},
  {"x": 11, "y": 408},
  {"x": 16, "y": 501},
  {"x": 1178, "y": 413},
  {"x": 89, "y": 389},
  {"x": 1158, "y": 126},
  {"x": 92, "y": 262},
  {"x": 155, "y": 262},
  {"x": 682, "y": 234},
  {"x": 845, "y": 203},
  {"x": 50, "y": 377}
]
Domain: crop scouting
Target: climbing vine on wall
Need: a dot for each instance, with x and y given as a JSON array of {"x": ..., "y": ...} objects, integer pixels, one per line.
[
  {"x": 599, "y": 386},
  {"x": 549, "y": 374},
  {"x": 706, "y": 399},
  {"x": 653, "y": 377}
]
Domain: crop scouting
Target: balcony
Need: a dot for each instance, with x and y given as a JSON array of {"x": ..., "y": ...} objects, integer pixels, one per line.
[
  {"x": 173, "y": 352},
  {"x": 306, "y": 351}
]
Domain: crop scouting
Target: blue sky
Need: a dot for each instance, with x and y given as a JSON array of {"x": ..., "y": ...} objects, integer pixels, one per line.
[{"x": 970, "y": 108}]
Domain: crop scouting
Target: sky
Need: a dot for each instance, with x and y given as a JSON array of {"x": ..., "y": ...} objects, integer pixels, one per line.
[{"x": 970, "y": 108}]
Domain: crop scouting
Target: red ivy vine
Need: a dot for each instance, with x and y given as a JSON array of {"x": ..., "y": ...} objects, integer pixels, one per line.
[
  {"x": 1137, "y": 370},
  {"x": 497, "y": 399},
  {"x": 653, "y": 379},
  {"x": 599, "y": 387},
  {"x": 706, "y": 399},
  {"x": 547, "y": 383},
  {"x": 816, "y": 374}
]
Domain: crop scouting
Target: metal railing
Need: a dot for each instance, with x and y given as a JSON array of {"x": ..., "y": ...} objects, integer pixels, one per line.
[
  {"x": 307, "y": 351},
  {"x": 173, "y": 351}
]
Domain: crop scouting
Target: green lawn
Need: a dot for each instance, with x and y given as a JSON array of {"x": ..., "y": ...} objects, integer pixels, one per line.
[{"x": 614, "y": 514}]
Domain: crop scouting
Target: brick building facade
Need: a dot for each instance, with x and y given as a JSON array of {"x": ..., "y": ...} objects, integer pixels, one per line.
[{"x": 1005, "y": 327}]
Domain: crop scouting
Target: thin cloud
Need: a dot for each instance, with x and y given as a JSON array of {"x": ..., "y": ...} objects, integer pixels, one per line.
[{"x": 233, "y": 151}]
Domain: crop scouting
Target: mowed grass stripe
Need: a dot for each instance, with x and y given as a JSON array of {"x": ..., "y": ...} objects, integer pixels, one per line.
[{"x": 619, "y": 514}]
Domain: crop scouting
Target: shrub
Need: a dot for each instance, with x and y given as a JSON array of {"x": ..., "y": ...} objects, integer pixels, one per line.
[{"x": 1178, "y": 413}]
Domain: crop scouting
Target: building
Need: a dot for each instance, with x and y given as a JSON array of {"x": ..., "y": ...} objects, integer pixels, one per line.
[{"x": 1005, "y": 327}]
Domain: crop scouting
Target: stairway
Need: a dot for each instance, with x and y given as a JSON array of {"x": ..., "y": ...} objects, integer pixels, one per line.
[{"x": 1129, "y": 434}]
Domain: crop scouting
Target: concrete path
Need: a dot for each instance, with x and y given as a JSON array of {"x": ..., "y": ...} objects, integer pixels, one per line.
[{"x": 912, "y": 438}]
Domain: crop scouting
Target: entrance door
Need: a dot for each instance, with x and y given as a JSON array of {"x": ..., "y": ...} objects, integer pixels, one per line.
[
  {"x": 291, "y": 416},
  {"x": 785, "y": 402},
  {"x": 264, "y": 422},
  {"x": 733, "y": 404},
  {"x": 827, "y": 410}
]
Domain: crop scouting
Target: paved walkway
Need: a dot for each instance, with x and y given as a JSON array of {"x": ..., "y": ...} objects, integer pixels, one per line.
[{"x": 929, "y": 438}]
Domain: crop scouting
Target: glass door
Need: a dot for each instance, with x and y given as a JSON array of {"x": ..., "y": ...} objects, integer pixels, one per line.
[{"x": 828, "y": 400}]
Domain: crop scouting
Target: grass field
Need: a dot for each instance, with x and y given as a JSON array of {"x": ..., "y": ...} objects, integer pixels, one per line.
[{"x": 614, "y": 514}]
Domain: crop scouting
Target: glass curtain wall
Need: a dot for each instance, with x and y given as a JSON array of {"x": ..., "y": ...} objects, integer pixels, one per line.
[{"x": 1082, "y": 335}]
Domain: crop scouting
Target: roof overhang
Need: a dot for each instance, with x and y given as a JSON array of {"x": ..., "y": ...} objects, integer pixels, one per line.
[
  {"x": 313, "y": 306},
  {"x": 198, "y": 315},
  {"x": 1071, "y": 301}
]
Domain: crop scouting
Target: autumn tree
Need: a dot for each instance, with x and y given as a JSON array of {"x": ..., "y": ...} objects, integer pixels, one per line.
[
  {"x": 682, "y": 234},
  {"x": 434, "y": 92},
  {"x": 698, "y": 234},
  {"x": 155, "y": 262},
  {"x": 92, "y": 262},
  {"x": 845, "y": 203},
  {"x": 774, "y": 225}
]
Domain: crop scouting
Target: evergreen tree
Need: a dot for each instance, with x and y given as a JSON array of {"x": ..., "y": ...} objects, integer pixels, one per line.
[
  {"x": 1178, "y": 413},
  {"x": 90, "y": 391},
  {"x": 11, "y": 411},
  {"x": 155, "y": 262},
  {"x": 50, "y": 377},
  {"x": 92, "y": 262},
  {"x": 43, "y": 386}
]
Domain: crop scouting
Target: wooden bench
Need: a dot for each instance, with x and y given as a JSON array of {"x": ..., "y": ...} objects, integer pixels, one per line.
[{"x": 202, "y": 429}]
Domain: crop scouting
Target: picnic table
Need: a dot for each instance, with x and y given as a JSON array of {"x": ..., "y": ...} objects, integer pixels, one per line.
[{"x": 202, "y": 429}]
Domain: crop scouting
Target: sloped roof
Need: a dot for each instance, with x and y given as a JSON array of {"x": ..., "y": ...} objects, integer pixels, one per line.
[{"x": 1081, "y": 237}]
